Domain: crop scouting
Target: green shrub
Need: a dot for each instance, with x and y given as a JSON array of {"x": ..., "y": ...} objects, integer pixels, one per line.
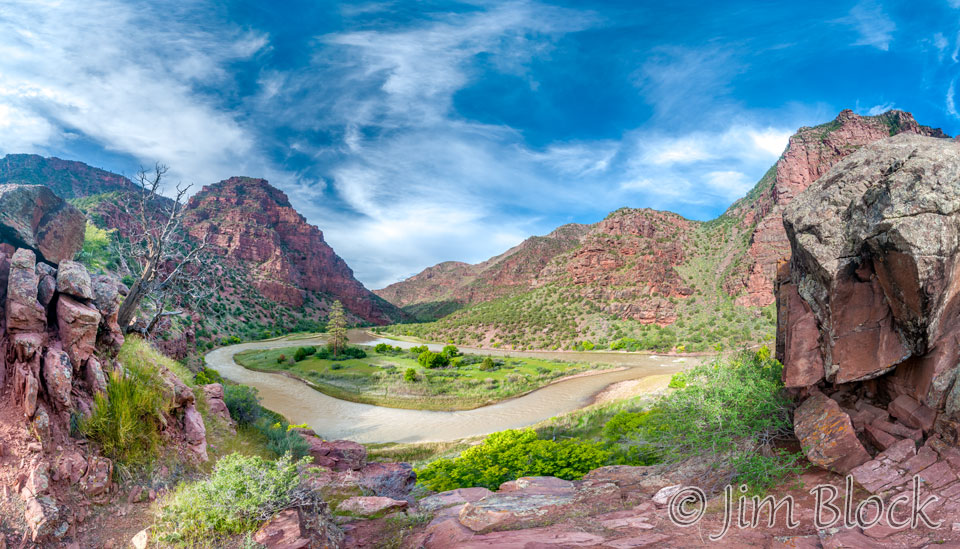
[
  {"x": 487, "y": 364},
  {"x": 282, "y": 358},
  {"x": 300, "y": 354},
  {"x": 430, "y": 359},
  {"x": 419, "y": 349},
  {"x": 127, "y": 420},
  {"x": 410, "y": 375},
  {"x": 678, "y": 381},
  {"x": 242, "y": 492},
  {"x": 243, "y": 403},
  {"x": 508, "y": 455},
  {"x": 451, "y": 351},
  {"x": 207, "y": 375}
]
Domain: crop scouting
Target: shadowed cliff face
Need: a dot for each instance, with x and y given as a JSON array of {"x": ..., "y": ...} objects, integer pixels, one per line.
[
  {"x": 253, "y": 225},
  {"x": 869, "y": 309}
]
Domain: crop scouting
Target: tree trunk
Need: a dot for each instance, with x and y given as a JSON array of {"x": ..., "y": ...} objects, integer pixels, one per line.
[{"x": 129, "y": 306}]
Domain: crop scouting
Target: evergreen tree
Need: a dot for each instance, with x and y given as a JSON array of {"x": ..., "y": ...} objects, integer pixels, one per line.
[{"x": 337, "y": 328}]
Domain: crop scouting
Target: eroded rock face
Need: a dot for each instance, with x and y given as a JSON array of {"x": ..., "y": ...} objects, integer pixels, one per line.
[
  {"x": 868, "y": 308},
  {"x": 78, "y": 328},
  {"x": 876, "y": 243},
  {"x": 74, "y": 280},
  {"x": 32, "y": 216},
  {"x": 24, "y": 312}
]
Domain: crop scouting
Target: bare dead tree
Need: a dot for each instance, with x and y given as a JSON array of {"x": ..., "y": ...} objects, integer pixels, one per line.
[{"x": 158, "y": 253}]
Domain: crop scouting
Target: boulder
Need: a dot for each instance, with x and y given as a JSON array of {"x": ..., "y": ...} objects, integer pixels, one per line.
[
  {"x": 827, "y": 435},
  {"x": 46, "y": 289},
  {"x": 339, "y": 455},
  {"x": 70, "y": 467},
  {"x": 911, "y": 413},
  {"x": 24, "y": 312},
  {"x": 394, "y": 480},
  {"x": 94, "y": 377},
  {"x": 517, "y": 509},
  {"x": 74, "y": 280},
  {"x": 298, "y": 529},
  {"x": 42, "y": 515},
  {"x": 34, "y": 217},
  {"x": 875, "y": 244},
  {"x": 452, "y": 497},
  {"x": 195, "y": 432},
  {"x": 107, "y": 297},
  {"x": 78, "y": 328},
  {"x": 213, "y": 393},
  {"x": 58, "y": 375},
  {"x": 369, "y": 506}
]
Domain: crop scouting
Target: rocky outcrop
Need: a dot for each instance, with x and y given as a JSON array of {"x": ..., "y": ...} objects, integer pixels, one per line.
[
  {"x": 34, "y": 217},
  {"x": 871, "y": 314},
  {"x": 810, "y": 153},
  {"x": 253, "y": 225}
]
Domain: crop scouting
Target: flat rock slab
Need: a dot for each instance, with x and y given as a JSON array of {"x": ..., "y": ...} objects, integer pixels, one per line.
[
  {"x": 369, "y": 506},
  {"x": 827, "y": 435},
  {"x": 453, "y": 497},
  {"x": 514, "y": 510}
]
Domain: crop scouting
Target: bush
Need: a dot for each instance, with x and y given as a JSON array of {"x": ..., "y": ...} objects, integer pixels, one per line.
[
  {"x": 451, "y": 351},
  {"x": 282, "y": 358},
  {"x": 419, "y": 349},
  {"x": 410, "y": 375},
  {"x": 243, "y": 403},
  {"x": 242, "y": 492},
  {"x": 728, "y": 411},
  {"x": 127, "y": 421},
  {"x": 207, "y": 375},
  {"x": 487, "y": 364},
  {"x": 508, "y": 455},
  {"x": 430, "y": 359},
  {"x": 299, "y": 354}
]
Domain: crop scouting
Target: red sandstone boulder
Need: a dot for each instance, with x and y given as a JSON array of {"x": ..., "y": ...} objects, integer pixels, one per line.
[
  {"x": 369, "y": 506},
  {"x": 33, "y": 216},
  {"x": 195, "y": 432},
  {"x": 452, "y": 497},
  {"x": 873, "y": 260},
  {"x": 912, "y": 413},
  {"x": 78, "y": 328},
  {"x": 298, "y": 529},
  {"x": 107, "y": 297},
  {"x": 339, "y": 455},
  {"x": 42, "y": 515},
  {"x": 827, "y": 435},
  {"x": 213, "y": 393},
  {"x": 24, "y": 312},
  {"x": 74, "y": 280},
  {"x": 58, "y": 375}
]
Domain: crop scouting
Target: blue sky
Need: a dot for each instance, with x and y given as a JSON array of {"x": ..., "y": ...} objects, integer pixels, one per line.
[{"x": 417, "y": 132}]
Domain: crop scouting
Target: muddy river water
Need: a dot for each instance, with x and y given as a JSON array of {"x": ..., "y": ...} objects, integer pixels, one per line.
[{"x": 333, "y": 418}]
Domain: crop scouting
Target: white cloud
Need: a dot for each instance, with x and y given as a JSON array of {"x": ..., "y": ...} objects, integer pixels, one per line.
[
  {"x": 125, "y": 77},
  {"x": 951, "y": 107},
  {"x": 873, "y": 26}
]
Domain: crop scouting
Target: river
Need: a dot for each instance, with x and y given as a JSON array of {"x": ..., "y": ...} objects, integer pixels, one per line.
[{"x": 333, "y": 418}]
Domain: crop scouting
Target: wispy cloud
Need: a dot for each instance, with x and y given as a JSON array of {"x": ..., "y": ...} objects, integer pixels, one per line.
[
  {"x": 125, "y": 77},
  {"x": 872, "y": 24}
]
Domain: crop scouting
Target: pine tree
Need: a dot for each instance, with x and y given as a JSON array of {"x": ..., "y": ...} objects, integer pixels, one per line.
[{"x": 337, "y": 328}]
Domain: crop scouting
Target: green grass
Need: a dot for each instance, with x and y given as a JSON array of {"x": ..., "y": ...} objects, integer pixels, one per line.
[{"x": 379, "y": 378}]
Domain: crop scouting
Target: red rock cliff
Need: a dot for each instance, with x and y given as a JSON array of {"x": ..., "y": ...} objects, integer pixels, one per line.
[{"x": 253, "y": 225}]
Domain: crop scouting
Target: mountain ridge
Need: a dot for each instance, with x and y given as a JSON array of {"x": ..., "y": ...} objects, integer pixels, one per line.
[{"x": 671, "y": 262}]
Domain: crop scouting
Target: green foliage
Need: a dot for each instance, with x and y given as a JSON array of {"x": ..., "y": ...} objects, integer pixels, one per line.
[
  {"x": 678, "y": 381},
  {"x": 281, "y": 359},
  {"x": 241, "y": 492},
  {"x": 451, "y": 351},
  {"x": 430, "y": 359},
  {"x": 337, "y": 328},
  {"x": 127, "y": 420},
  {"x": 243, "y": 403},
  {"x": 759, "y": 471},
  {"x": 508, "y": 455},
  {"x": 419, "y": 349},
  {"x": 245, "y": 408},
  {"x": 410, "y": 375},
  {"x": 97, "y": 254},
  {"x": 207, "y": 375},
  {"x": 487, "y": 364},
  {"x": 730, "y": 411}
]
